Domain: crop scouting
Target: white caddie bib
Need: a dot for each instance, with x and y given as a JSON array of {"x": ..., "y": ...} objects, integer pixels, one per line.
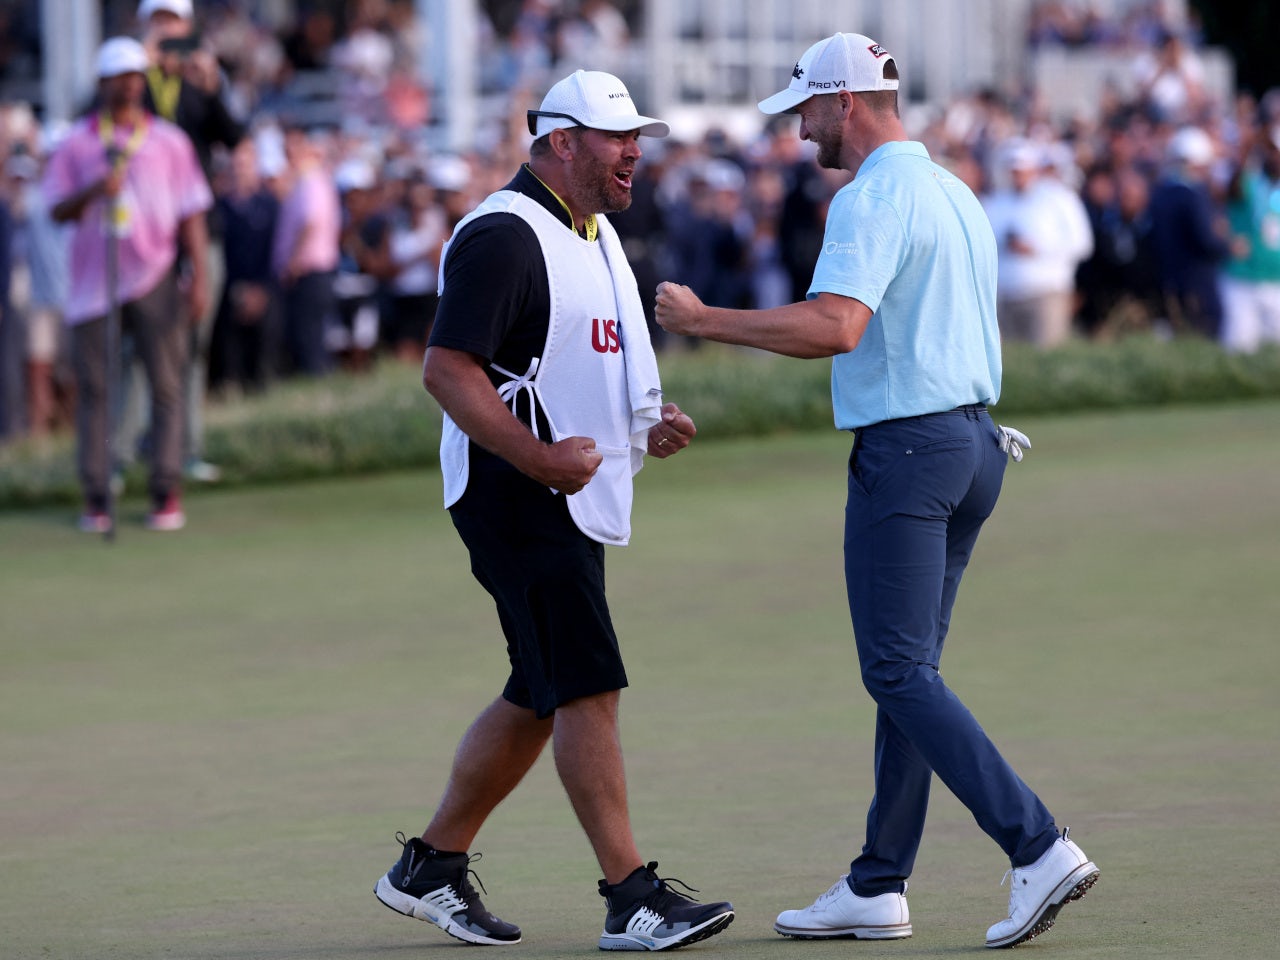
[{"x": 581, "y": 379}]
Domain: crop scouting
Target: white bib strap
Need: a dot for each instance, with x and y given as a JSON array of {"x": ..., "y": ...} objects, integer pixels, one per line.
[{"x": 510, "y": 389}]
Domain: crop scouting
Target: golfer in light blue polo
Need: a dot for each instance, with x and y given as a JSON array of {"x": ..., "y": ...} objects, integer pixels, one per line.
[{"x": 904, "y": 299}]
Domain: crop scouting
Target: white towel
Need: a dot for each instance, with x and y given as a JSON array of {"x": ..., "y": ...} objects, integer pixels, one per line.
[{"x": 644, "y": 387}]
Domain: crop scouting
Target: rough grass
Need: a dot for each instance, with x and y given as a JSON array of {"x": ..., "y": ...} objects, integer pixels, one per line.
[
  {"x": 207, "y": 740},
  {"x": 350, "y": 425}
]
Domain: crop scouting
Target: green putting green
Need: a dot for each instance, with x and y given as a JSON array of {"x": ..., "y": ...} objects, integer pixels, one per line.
[{"x": 208, "y": 739}]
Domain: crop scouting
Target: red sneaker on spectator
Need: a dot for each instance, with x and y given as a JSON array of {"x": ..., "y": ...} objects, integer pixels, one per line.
[{"x": 167, "y": 514}]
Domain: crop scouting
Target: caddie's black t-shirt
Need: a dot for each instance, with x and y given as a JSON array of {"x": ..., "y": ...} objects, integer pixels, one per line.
[{"x": 496, "y": 303}]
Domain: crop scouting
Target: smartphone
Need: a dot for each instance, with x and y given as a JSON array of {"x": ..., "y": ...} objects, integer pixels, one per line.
[{"x": 180, "y": 45}]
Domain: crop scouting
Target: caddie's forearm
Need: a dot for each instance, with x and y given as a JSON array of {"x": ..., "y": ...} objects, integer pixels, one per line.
[{"x": 457, "y": 381}]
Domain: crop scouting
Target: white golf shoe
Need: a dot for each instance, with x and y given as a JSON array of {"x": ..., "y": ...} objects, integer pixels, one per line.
[
  {"x": 842, "y": 913},
  {"x": 1039, "y": 891}
]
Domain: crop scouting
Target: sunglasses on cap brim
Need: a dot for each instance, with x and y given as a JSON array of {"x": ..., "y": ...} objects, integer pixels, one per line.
[{"x": 535, "y": 114}]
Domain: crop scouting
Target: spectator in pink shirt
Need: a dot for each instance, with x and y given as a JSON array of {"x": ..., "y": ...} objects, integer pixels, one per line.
[
  {"x": 125, "y": 171},
  {"x": 305, "y": 255}
]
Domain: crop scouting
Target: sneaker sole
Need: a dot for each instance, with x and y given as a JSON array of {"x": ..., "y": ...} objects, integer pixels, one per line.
[
  {"x": 166, "y": 524},
  {"x": 1075, "y": 886},
  {"x": 393, "y": 899},
  {"x": 894, "y": 932},
  {"x": 632, "y": 941}
]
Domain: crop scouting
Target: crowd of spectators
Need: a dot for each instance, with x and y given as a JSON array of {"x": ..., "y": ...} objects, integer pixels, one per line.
[{"x": 1159, "y": 211}]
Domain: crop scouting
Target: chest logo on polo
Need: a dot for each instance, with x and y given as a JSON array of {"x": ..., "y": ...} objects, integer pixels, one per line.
[{"x": 604, "y": 336}]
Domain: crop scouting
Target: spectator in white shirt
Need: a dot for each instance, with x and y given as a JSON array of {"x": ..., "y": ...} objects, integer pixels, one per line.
[{"x": 1035, "y": 289}]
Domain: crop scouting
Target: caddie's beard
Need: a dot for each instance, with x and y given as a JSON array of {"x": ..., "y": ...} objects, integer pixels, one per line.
[{"x": 593, "y": 184}]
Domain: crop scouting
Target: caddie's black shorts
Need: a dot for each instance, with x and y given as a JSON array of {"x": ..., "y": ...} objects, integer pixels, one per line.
[{"x": 547, "y": 579}]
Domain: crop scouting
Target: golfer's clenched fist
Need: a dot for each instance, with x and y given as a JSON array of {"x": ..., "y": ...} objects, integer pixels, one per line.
[{"x": 678, "y": 309}]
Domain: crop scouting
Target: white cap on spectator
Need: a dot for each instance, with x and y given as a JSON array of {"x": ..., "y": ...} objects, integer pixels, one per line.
[
  {"x": 181, "y": 9},
  {"x": 272, "y": 162},
  {"x": 448, "y": 172},
  {"x": 269, "y": 141},
  {"x": 723, "y": 175},
  {"x": 1274, "y": 136},
  {"x": 589, "y": 98},
  {"x": 1191, "y": 145},
  {"x": 1023, "y": 155},
  {"x": 355, "y": 174},
  {"x": 843, "y": 61},
  {"x": 121, "y": 55}
]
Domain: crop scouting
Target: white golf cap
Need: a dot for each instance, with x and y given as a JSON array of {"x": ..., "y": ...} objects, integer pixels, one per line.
[
  {"x": 1020, "y": 154},
  {"x": 448, "y": 172},
  {"x": 182, "y": 9},
  {"x": 723, "y": 175},
  {"x": 843, "y": 61},
  {"x": 355, "y": 173},
  {"x": 121, "y": 55},
  {"x": 589, "y": 98},
  {"x": 1191, "y": 145}
]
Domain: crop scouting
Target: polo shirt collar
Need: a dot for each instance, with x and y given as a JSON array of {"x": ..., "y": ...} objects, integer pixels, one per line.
[{"x": 909, "y": 148}]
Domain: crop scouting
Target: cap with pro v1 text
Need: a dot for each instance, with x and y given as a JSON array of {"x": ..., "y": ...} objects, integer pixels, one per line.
[{"x": 843, "y": 61}]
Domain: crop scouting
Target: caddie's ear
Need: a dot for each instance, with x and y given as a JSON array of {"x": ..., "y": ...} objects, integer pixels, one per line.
[{"x": 562, "y": 143}]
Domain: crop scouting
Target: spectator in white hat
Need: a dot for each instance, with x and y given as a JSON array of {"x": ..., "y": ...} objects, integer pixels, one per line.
[
  {"x": 185, "y": 86},
  {"x": 541, "y": 359},
  {"x": 903, "y": 299},
  {"x": 1043, "y": 233},
  {"x": 125, "y": 174},
  {"x": 1191, "y": 234}
]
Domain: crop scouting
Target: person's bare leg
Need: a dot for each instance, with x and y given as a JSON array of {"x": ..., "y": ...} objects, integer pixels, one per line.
[
  {"x": 588, "y": 753},
  {"x": 493, "y": 756}
]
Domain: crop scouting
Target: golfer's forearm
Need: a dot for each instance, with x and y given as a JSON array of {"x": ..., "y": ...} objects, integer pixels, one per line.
[{"x": 823, "y": 327}]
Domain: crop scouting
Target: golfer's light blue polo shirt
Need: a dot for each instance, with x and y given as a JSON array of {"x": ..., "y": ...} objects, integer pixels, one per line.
[{"x": 913, "y": 243}]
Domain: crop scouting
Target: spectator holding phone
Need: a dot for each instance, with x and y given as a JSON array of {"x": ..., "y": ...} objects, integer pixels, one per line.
[{"x": 185, "y": 87}]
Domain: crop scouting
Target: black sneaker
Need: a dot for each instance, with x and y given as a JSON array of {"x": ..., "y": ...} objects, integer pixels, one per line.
[
  {"x": 433, "y": 886},
  {"x": 646, "y": 914}
]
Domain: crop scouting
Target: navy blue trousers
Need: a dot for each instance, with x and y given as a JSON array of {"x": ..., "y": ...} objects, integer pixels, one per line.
[{"x": 919, "y": 491}]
